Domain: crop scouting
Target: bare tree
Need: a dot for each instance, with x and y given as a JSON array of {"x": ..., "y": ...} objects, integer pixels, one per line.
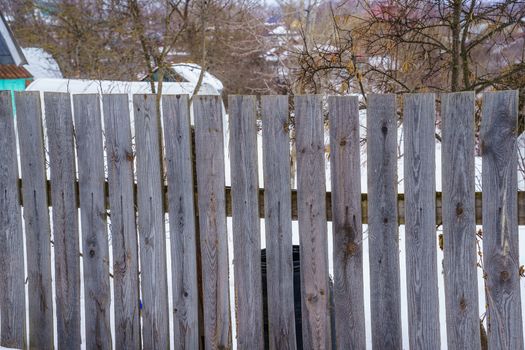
[{"x": 446, "y": 45}]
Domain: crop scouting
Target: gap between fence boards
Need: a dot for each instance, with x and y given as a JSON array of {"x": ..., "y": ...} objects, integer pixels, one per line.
[{"x": 364, "y": 203}]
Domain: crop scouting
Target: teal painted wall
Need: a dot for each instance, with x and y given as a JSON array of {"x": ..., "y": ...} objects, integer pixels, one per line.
[{"x": 13, "y": 85}]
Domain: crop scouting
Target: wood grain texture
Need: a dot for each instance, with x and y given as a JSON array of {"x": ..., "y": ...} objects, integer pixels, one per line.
[
  {"x": 123, "y": 221},
  {"x": 328, "y": 200},
  {"x": 59, "y": 123},
  {"x": 500, "y": 228},
  {"x": 278, "y": 222},
  {"x": 36, "y": 219},
  {"x": 420, "y": 221},
  {"x": 209, "y": 144},
  {"x": 459, "y": 226},
  {"x": 90, "y": 157},
  {"x": 245, "y": 222},
  {"x": 177, "y": 138},
  {"x": 153, "y": 273},
  {"x": 311, "y": 187},
  {"x": 12, "y": 289},
  {"x": 383, "y": 235},
  {"x": 346, "y": 227}
]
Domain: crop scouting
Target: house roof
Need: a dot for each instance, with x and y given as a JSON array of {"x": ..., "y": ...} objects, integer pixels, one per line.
[
  {"x": 10, "y": 52},
  {"x": 12, "y": 71}
]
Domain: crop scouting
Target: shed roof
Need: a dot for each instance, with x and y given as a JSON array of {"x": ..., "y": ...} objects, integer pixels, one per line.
[{"x": 12, "y": 71}]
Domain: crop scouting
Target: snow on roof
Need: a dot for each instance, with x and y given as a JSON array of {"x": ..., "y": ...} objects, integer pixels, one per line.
[
  {"x": 191, "y": 72},
  {"x": 279, "y": 30},
  {"x": 77, "y": 86},
  {"x": 40, "y": 63}
]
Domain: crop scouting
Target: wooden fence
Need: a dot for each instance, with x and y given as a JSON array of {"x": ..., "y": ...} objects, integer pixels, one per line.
[{"x": 93, "y": 138}]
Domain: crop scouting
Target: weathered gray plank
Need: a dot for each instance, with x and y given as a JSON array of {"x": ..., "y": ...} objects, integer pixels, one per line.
[
  {"x": 153, "y": 273},
  {"x": 278, "y": 223},
  {"x": 383, "y": 235},
  {"x": 12, "y": 290},
  {"x": 90, "y": 153},
  {"x": 500, "y": 224},
  {"x": 347, "y": 229},
  {"x": 420, "y": 221},
  {"x": 459, "y": 226},
  {"x": 209, "y": 144},
  {"x": 311, "y": 187},
  {"x": 59, "y": 123},
  {"x": 36, "y": 219},
  {"x": 245, "y": 222},
  {"x": 177, "y": 138},
  {"x": 123, "y": 222}
]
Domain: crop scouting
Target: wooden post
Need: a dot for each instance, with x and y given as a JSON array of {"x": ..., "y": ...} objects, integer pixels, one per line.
[
  {"x": 177, "y": 138},
  {"x": 245, "y": 219},
  {"x": 90, "y": 156},
  {"x": 153, "y": 272},
  {"x": 459, "y": 226},
  {"x": 383, "y": 234},
  {"x": 36, "y": 219},
  {"x": 209, "y": 144},
  {"x": 311, "y": 187},
  {"x": 278, "y": 223},
  {"x": 12, "y": 289},
  {"x": 420, "y": 221},
  {"x": 346, "y": 222},
  {"x": 123, "y": 221},
  {"x": 500, "y": 224},
  {"x": 59, "y": 122}
]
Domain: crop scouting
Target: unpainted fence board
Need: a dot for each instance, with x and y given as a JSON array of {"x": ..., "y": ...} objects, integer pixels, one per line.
[
  {"x": 278, "y": 222},
  {"x": 91, "y": 178},
  {"x": 12, "y": 289},
  {"x": 36, "y": 219},
  {"x": 245, "y": 222},
  {"x": 177, "y": 138},
  {"x": 123, "y": 221},
  {"x": 420, "y": 221},
  {"x": 153, "y": 274},
  {"x": 209, "y": 144},
  {"x": 500, "y": 224},
  {"x": 346, "y": 222},
  {"x": 383, "y": 234},
  {"x": 311, "y": 187},
  {"x": 459, "y": 226},
  {"x": 59, "y": 123}
]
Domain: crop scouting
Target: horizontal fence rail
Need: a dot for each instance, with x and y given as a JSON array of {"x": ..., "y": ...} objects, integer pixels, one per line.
[
  {"x": 122, "y": 200},
  {"x": 478, "y": 203}
]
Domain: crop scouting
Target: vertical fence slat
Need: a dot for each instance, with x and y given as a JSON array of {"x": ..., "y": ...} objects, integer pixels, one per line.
[
  {"x": 311, "y": 210},
  {"x": 209, "y": 147},
  {"x": 90, "y": 153},
  {"x": 36, "y": 219},
  {"x": 500, "y": 225},
  {"x": 420, "y": 221},
  {"x": 383, "y": 234},
  {"x": 153, "y": 274},
  {"x": 123, "y": 221},
  {"x": 59, "y": 123},
  {"x": 459, "y": 226},
  {"x": 245, "y": 221},
  {"x": 12, "y": 289},
  {"x": 278, "y": 223},
  {"x": 177, "y": 138},
  {"x": 346, "y": 222}
]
